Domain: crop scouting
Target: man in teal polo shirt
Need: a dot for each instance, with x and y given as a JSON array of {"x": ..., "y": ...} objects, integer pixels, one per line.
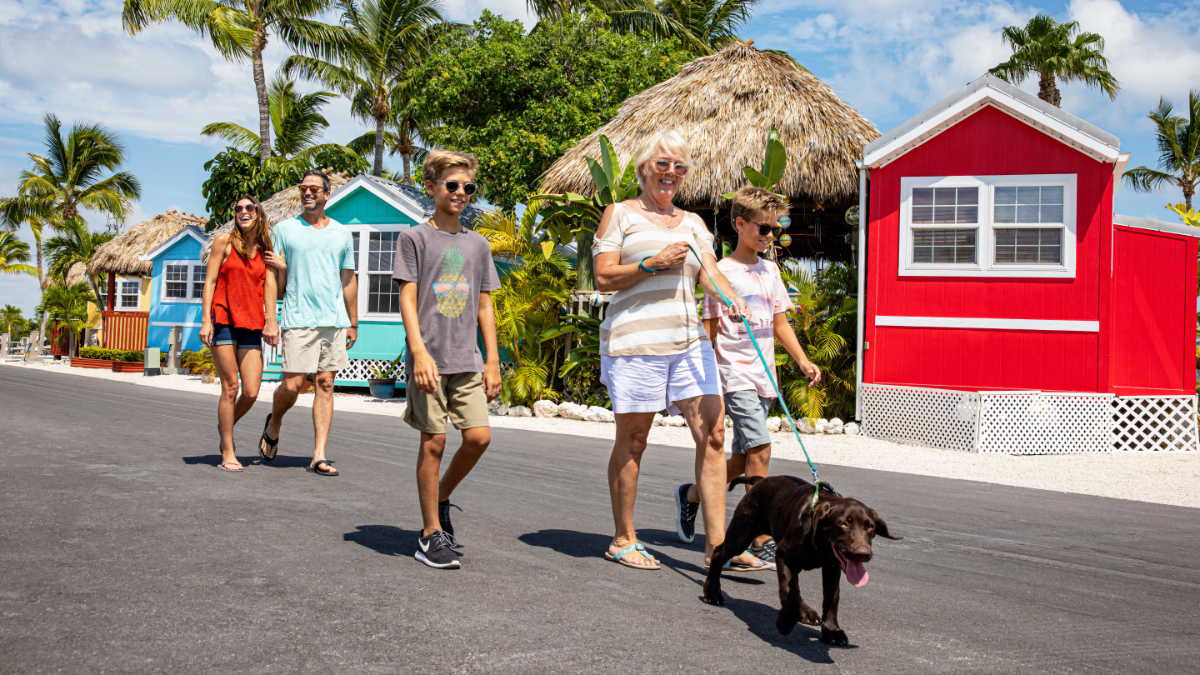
[{"x": 314, "y": 268}]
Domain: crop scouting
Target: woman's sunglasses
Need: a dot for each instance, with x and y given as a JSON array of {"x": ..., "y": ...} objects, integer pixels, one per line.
[
  {"x": 453, "y": 185},
  {"x": 663, "y": 165},
  {"x": 239, "y": 209}
]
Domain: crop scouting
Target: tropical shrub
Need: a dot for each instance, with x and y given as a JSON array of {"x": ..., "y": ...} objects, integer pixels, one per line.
[
  {"x": 824, "y": 318},
  {"x": 199, "y": 363},
  {"x": 116, "y": 355}
]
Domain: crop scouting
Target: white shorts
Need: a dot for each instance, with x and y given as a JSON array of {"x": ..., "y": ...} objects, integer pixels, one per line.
[
  {"x": 314, "y": 350},
  {"x": 653, "y": 383}
]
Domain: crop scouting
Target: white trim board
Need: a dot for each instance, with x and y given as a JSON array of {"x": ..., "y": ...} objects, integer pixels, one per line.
[
  {"x": 988, "y": 323},
  {"x": 170, "y": 324}
]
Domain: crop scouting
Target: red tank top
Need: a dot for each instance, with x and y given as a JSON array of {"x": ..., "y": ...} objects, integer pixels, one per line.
[{"x": 238, "y": 299}]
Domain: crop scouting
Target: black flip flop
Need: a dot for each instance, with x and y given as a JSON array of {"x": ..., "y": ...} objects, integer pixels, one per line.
[
  {"x": 268, "y": 441},
  {"x": 316, "y": 468}
]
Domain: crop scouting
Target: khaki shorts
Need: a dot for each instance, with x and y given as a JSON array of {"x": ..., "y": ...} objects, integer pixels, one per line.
[
  {"x": 314, "y": 350},
  {"x": 459, "y": 396}
]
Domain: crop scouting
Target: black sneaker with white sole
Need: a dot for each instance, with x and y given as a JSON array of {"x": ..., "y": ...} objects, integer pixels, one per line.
[
  {"x": 435, "y": 551},
  {"x": 685, "y": 518},
  {"x": 444, "y": 520},
  {"x": 765, "y": 553}
]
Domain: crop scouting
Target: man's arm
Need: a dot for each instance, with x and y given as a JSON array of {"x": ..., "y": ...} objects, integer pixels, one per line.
[
  {"x": 350, "y": 296},
  {"x": 787, "y": 337},
  {"x": 271, "y": 327},
  {"x": 425, "y": 372},
  {"x": 487, "y": 325}
]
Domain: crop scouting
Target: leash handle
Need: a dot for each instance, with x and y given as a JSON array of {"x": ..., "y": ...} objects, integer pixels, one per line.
[{"x": 754, "y": 341}]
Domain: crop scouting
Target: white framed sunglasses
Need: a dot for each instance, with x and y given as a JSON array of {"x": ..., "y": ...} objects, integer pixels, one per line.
[{"x": 663, "y": 165}]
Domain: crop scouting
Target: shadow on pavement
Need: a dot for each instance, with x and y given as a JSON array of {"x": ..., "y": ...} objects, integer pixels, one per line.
[
  {"x": 804, "y": 641},
  {"x": 569, "y": 542},
  {"x": 385, "y": 539},
  {"x": 281, "y": 461}
]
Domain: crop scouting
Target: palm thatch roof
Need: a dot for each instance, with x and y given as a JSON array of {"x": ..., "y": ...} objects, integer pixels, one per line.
[
  {"x": 77, "y": 274},
  {"x": 281, "y": 206},
  {"x": 121, "y": 255},
  {"x": 724, "y": 105}
]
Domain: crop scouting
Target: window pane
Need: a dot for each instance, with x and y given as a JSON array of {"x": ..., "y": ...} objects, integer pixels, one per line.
[
  {"x": 944, "y": 196},
  {"x": 968, "y": 214},
  {"x": 1006, "y": 214},
  {"x": 1029, "y": 205},
  {"x": 1029, "y": 195},
  {"x": 1051, "y": 255},
  {"x": 175, "y": 289},
  {"x": 383, "y": 296},
  {"x": 923, "y": 238},
  {"x": 1027, "y": 237},
  {"x": 1029, "y": 246},
  {"x": 1027, "y": 255},
  {"x": 199, "y": 272},
  {"x": 944, "y": 246},
  {"x": 1027, "y": 214},
  {"x": 1052, "y": 195},
  {"x": 923, "y": 254},
  {"x": 1005, "y": 254},
  {"x": 968, "y": 196},
  {"x": 1006, "y": 195},
  {"x": 922, "y": 214},
  {"x": 198, "y": 290},
  {"x": 355, "y": 236},
  {"x": 943, "y": 214},
  {"x": 174, "y": 273},
  {"x": 964, "y": 254},
  {"x": 382, "y": 249},
  {"x": 1052, "y": 214},
  {"x": 922, "y": 196}
]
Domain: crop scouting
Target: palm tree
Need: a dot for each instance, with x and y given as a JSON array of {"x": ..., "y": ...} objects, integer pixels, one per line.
[
  {"x": 67, "y": 305},
  {"x": 296, "y": 121},
  {"x": 1056, "y": 51},
  {"x": 68, "y": 178},
  {"x": 75, "y": 245},
  {"x": 703, "y": 26},
  {"x": 238, "y": 30},
  {"x": 1178, "y": 141},
  {"x": 13, "y": 254},
  {"x": 405, "y": 124},
  {"x": 10, "y": 316},
  {"x": 369, "y": 57}
]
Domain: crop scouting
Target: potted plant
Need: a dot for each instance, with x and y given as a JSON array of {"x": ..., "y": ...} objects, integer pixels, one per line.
[{"x": 382, "y": 382}]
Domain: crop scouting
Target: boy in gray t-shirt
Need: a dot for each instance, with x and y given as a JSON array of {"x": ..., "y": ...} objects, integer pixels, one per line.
[{"x": 446, "y": 276}]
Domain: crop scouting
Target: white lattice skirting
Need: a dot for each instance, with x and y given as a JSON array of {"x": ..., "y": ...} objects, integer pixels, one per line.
[
  {"x": 1029, "y": 422},
  {"x": 360, "y": 370}
]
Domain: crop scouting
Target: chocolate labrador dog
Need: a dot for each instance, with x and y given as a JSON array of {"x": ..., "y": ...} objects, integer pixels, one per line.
[{"x": 835, "y": 536}]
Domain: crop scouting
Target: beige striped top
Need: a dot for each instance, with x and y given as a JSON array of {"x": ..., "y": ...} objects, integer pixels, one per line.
[{"x": 658, "y": 316}]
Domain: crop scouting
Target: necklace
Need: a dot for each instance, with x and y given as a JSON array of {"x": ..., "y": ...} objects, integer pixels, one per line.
[{"x": 658, "y": 216}]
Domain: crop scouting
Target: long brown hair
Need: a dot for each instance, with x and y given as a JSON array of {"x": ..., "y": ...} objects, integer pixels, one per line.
[{"x": 260, "y": 232}]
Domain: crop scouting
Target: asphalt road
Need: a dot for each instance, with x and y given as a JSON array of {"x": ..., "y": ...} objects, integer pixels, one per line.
[{"x": 123, "y": 549}]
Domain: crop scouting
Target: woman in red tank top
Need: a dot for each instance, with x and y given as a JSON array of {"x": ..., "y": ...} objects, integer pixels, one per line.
[{"x": 235, "y": 322}]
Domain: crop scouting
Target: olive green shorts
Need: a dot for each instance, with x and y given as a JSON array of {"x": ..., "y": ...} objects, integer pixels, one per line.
[{"x": 459, "y": 397}]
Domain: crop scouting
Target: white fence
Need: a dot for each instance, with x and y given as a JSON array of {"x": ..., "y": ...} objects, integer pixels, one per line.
[{"x": 1029, "y": 422}]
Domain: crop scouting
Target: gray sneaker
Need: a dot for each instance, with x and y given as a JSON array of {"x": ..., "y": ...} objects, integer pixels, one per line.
[{"x": 765, "y": 553}]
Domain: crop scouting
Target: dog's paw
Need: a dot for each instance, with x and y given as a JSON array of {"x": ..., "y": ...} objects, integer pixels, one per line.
[
  {"x": 809, "y": 616},
  {"x": 714, "y": 597},
  {"x": 784, "y": 623},
  {"x": 834, "y": 637}
]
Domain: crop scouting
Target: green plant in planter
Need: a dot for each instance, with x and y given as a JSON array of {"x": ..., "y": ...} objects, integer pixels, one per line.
[
  {"x": 199, "y": 363},
  {"x": 571, "y": 217},
  {"x": 384, "y": 372}
]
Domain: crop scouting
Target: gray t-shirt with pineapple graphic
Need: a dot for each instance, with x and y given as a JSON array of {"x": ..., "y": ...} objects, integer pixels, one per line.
[{"x": 450, "y": 271}]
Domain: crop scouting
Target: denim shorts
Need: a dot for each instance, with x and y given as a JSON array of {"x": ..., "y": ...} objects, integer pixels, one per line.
[
  {"x": 749, "y": 413},
  {"x": 243, "y": 338}
]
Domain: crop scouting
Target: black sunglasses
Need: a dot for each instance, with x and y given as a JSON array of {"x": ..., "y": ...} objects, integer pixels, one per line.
[
  {"x": 452, "y": 186},
  {"x": 662, "y": 165},
  {"x": 239, "y": 209},
  {"x": 764, "y": 230}
]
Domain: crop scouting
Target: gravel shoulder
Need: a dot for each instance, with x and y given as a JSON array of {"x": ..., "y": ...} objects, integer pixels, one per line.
[{"x": 1160, "y": 478}]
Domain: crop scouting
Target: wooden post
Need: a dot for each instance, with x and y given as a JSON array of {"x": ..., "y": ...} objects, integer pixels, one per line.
[{"x": 111, "y": 292}]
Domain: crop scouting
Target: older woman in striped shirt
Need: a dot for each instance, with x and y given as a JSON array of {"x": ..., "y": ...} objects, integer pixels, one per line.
[{"x": 654, "y": 353}]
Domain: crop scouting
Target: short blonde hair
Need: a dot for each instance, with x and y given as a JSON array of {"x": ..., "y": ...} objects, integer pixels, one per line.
[
  {"x": 439, "y": 161},
  {"x": 751, "y": 201},
  {"x": 668, "y": 140}
]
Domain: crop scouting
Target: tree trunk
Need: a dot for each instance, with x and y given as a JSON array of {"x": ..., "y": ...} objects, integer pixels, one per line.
[
  {"x": 42, "y": 326},
  {"x": 407, "y": 157},
  {"x": 264, "y": 108},
  {"x": 379, "y": 124},
  {"x": 585, "y": 276},
  {"x": 1048, "y": 91}
]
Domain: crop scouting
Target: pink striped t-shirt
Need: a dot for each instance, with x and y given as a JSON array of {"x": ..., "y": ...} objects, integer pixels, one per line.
[{"x": 762, "y": 288}]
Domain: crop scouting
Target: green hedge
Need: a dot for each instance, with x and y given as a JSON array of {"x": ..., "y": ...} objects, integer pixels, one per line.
[{"x": 115, "y": 355}]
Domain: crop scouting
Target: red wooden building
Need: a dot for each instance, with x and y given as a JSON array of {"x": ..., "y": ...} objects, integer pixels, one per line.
[{"x": 1006, "y": 308}]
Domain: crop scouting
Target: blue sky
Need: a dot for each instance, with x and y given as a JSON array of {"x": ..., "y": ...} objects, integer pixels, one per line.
[{"x": 890, "y": 59}]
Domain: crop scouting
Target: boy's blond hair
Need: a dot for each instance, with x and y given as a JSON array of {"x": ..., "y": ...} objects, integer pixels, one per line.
[
  {"x": 439, "y": 161},
  {"x": 751, "y": 201}
]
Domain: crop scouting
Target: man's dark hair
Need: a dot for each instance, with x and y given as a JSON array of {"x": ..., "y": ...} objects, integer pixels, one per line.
[{"x": 319, "y": 174}]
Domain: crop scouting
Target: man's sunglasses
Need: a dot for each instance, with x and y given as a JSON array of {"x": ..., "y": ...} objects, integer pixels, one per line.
[
  {"x": 239, "y": 209},
  {"x": 663, "y": 165},
  {"x": 453, "y": 185},
  {"x": 311, "y": 188}
]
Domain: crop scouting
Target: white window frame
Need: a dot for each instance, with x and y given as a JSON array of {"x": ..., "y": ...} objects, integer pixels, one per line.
[
  {"x": 117, "y": 296},
  {"x": 191, "y": 297},
  {"x": 364, "y": 281},
  {"x": 985, "y": 249}
]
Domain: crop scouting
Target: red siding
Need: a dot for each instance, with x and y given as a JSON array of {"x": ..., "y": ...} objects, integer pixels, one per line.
[
  {"x": 1153, "y": 313},
  {"x": 991, "y": 143}
]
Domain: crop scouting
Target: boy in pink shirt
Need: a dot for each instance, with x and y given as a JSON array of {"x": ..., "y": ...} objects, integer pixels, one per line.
[{"x": 745, "y": 383}]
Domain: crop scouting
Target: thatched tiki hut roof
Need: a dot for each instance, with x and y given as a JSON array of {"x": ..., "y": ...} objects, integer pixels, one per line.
[
  {"x": 121, "y": 255},
  {"x": 281, "y": 206},
  {"x": 724, "y": 105},
  {"x": 77, "y": 274}
]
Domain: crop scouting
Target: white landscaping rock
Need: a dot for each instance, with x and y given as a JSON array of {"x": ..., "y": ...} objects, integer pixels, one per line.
[
  {"x": 674, "y": 421},
  {"x": 851, "y": 429},
  {"x": 805, "y": 428},
  {"x": 822, "y": 424},
  {"x": 572, "y": 411},
  {"x": 498, "y": 409},
  {"x": 519, "y": 411},
  {"x": 834, "y": 426},
  {"x": 598, "y": 414},
  {"x": 658, "y": 420},
  {"x": 774, "y": 423},
  {"x": 545, "y": 409}
]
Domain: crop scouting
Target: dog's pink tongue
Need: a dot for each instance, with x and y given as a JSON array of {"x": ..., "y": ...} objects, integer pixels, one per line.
[{"x": 856, "y": 573}]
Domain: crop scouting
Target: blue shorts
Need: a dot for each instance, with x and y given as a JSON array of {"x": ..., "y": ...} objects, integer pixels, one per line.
[
  {"x": 749, "y": 413},
  {"x": 243, "y": 338}
]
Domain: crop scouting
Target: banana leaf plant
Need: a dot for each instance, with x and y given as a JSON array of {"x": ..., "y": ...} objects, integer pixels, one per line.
[
  {"x": 588, "y": 330},
  {"x": 773, "y": 166},
  {"x": 571, "y": 217}
]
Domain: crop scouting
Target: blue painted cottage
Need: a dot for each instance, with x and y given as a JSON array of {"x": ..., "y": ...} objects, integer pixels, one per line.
[{"x": 176, "y": 288}]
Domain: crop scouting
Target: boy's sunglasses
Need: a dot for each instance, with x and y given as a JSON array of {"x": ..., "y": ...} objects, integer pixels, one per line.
[
  {"x": 453, "y": 185},
  {"x": 663, "y": 165},
  {"x": 239, "y": 209},
  {"x": 765, "y": 229},
  {"x": 311, "y": 188}
]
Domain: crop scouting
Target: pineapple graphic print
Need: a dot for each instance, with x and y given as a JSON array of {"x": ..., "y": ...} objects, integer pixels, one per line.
[{"x": 451, "y": 287}]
